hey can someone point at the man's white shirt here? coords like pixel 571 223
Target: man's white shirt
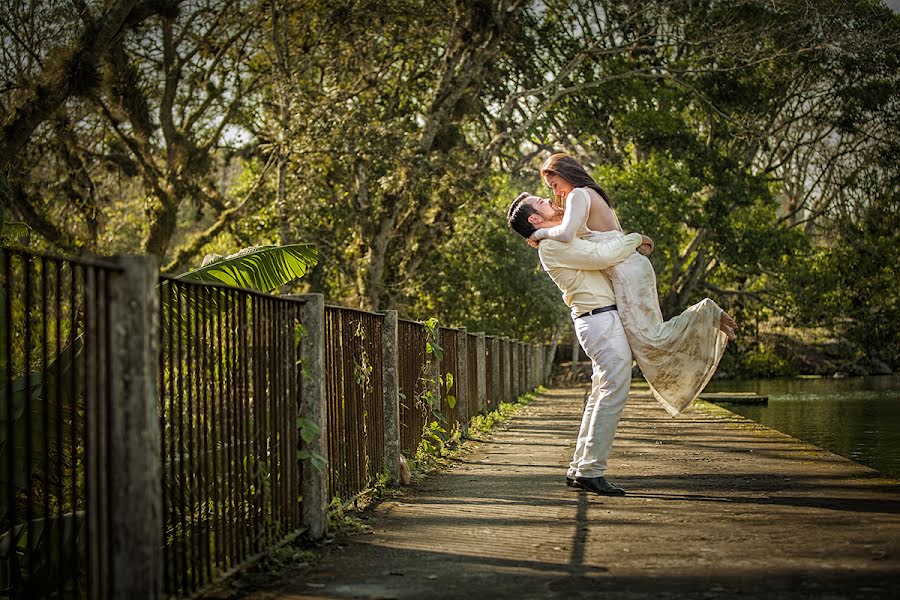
pixel 576 268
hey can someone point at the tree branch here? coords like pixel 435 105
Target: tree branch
pixel 225 220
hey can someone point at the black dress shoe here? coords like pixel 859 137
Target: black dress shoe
pixel 599 485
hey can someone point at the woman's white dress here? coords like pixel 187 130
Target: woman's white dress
pixel 677 357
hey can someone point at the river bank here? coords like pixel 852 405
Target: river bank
pixel 795 352
pixel 856 417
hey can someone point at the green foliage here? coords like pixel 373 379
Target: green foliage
pixel 309 432
pixel 55 544
pixel 764 361
pixel 342 523
pixel 433 338
pixel 850 284
pixel 261 268
pixel 39 391
pixel 484 277
pixel 15 233
pixel 741 136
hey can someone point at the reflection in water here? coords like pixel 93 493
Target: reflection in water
pixel 855 417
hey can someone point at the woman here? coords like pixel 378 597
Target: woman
pixel 677 357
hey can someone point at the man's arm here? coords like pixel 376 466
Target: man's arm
pixel 588 256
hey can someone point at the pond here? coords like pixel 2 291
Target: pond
pixel 857 417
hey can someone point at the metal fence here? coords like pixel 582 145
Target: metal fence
pixel 150 427
pixel 491 392
pixel 55 381
pixel 413 360
pixel 355 401
pixel 229 403
pixel 472 374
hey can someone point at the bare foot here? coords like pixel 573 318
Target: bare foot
pixel 728 325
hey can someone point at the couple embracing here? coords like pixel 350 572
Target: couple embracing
pixel 610 286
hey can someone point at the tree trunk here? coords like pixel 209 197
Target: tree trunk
pixel 373 281
pixel 163 222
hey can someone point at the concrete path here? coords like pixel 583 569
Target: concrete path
pixel 717 507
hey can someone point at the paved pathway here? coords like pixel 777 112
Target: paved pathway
pixel 718 507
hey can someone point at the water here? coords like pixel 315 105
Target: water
pixel 857 417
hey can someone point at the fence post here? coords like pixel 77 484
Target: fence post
pixel 511 368
pixel 528 372
pixel 507 375
pixel 135 483
pixel 520 366
pixel 314 485
pixel 528 359
pixel 391 382
pixel 462 380
pixel 481 372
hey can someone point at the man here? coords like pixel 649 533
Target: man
pixel 576 268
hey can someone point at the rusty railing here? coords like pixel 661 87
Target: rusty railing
pixel 354 396
pixel 413 360
pixel 55 346
pixel 229 402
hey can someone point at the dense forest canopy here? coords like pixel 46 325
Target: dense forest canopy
pixel 755 141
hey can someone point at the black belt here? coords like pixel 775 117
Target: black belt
pixel 597 311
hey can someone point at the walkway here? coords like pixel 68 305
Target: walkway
pixel 718 507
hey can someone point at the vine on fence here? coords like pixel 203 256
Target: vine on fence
pixel 435 436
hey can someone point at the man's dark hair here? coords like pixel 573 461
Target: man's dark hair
pixel 517 217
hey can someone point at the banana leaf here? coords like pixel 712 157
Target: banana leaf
pixel 260 268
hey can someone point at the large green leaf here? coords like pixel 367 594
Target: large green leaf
pixel 260 268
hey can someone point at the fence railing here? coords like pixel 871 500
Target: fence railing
pixel 229 389
pixel 72 470
pixel 413 362
pixel 355 398
pixel 157 434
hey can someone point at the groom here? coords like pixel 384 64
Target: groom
pixel 576 268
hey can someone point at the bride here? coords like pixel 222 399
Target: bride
pixel 677 357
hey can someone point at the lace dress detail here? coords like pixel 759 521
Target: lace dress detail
pixel 677 357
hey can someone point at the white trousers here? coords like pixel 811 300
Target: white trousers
pixel 604 341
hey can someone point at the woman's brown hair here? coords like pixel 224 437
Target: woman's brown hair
pixel 566 167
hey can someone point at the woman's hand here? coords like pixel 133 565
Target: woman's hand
pixel 646 246
pixel 533 242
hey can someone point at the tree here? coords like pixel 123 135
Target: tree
pixel 149 107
